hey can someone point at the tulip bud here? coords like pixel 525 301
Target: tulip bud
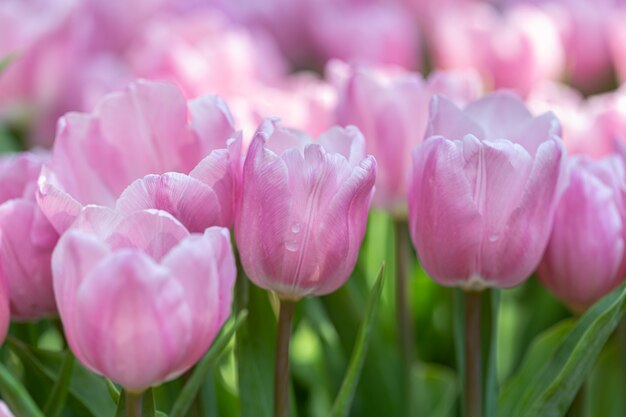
pixel 26 240
pixel 303 209
pixel 585 258
pixel 141 298
pixel 483 191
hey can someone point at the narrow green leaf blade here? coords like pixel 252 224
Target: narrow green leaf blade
pixel 86 389
pixel 16 396
pixel 148 407
pixel 193 385
pixel 343 401
pixel 58 394
pixel 559 376
pixel 436 390
pixel 254 349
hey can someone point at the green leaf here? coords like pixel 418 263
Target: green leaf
pixel 194 383
pixel 16 396
pixel 605 387
pixel 254 348
pixel 87 391
pixel 436 390
pixel 558 377
pixel 344 398
pixel 148 407
pixel 58 394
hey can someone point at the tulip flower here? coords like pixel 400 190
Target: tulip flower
pixel 586 254
pixel 133 133
pixel 301 219
pixel 390 107
pixel 141 298
pixel 303 209
pixel 484 190
pixel 26 238
pixel 4 410
pixel 515 48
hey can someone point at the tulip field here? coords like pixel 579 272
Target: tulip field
pixel 312 208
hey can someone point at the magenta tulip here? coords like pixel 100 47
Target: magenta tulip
pixel 142 130
pixel 586 254
pixel 390 107
pixel 484 190
pixel 141 298
pixel 303 209
pixel 26 238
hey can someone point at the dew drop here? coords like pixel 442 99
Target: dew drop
pixel 295 228
pixel 493 238
pixel 291 245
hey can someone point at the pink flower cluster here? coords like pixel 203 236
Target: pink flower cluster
pixel 122 226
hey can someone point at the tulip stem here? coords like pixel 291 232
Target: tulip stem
pixel 403 314
pixel 134 404
pixel 473 378
pixel 281 371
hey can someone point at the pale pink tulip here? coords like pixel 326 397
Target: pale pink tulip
pixel 483 191
pixel 390 106
pixel 514 49
pixel 585 258
pixel 204 53
pixel 146 129
pixel 141 298
pixel 365 32
pixel 26 238
pixel 303 209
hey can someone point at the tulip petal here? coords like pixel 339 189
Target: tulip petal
pixel 193 203
pixel 211 121
pixel 498 113
pixel 153 231
pixel 132 320
pixel 204 266
pixel 74 257
pixel 449 121
pixel 57 205
pixel 25 264
pixel 348 142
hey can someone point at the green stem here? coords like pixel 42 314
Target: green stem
pixel 281 370
pixel 473 362
pixel 134 404
pixel 403 314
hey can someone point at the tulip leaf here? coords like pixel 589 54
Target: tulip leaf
pixel 87 392
pixel 254 350
pixel 194 383
pixel 605 388
pixel 58 394
pixel 556 378
pixel 341 406
pixel 16 396
pixel 436 390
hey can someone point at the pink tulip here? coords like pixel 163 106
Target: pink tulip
pixel 390 107
pixel 303 209
pixel 26 238
pixel 204 53
pixel 585 258
pixel 142 130
pixel 617 43
pixel 514 49
pixel 367 33
pixel 141 298
pixel 4 410
pixel 484 190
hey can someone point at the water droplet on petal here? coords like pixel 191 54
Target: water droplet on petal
pixel 493 238
pixel 291 245
pixel 295 228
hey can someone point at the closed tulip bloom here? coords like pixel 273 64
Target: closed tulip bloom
pixel 141 298
pixel 146 129
pixel 585 258
pixel 26 238
pixel 483 191
pixel 303 209
pixel 390 106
